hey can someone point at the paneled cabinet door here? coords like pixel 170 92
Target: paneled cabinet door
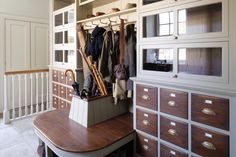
pixel 17 45
pixel 39 46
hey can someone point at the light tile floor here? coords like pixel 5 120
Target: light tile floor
pixel 18 139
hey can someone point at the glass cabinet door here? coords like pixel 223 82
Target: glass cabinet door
pixel 69 36
pixel 200 61
pixel 69 17
pixel 201 19
pixel 58 56
pixel 58 38
pixel 69 57
pixel 160 59
pixel 58 20
pixel 158 25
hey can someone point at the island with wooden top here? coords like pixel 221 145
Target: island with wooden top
pixel 67 138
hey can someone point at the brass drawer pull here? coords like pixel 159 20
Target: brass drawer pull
pixel 172 103
pixel 208 111
pixel 62 92
pixel 172 132
pixel 70 95
pixel 146 97
pixel 146 122
pixel 208 145
pixel 145 147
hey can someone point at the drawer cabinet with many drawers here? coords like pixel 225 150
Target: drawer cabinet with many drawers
pixel 183 123
pixel 62 91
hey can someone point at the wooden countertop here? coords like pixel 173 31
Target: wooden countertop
pixel 70 136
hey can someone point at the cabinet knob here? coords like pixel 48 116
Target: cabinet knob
pixel 146 122
pixel 172 103
pixel 175 37
pixel 209 112
pixel 146 97
pixel 145 147
pixel 208 145
pixel 172 132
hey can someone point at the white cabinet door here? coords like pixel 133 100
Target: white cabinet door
pixel 39 46
pixel 17 45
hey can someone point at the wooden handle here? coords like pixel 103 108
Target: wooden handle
pixel 209 112
pixel 208 145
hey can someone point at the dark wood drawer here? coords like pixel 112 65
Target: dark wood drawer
pixel 173 131
pixel 146 147
pixel 174 102
pixel 62 77
pixel 171 152
pixel 55 89
pixel 70 93
pixel 55 75
pixel 69 79
pixel 146 122
pixel 55 101
pixel 209 143
pixel 213 111
pixel 146 96
pixel 62 92
pixel 62 104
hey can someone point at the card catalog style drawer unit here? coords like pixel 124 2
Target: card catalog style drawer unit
pixel 55 102
pixel 210 110
pixel 174 132
pixel 146 147
pixel 209 143
pixel 169 152
pixel 146 122
pixel 62 78
pixel 55 75
pixel 146 96
pixel 62 104
pixel 174 102
pixel 62 92
pixel 55 89
pixel 69 79
pixel 70 93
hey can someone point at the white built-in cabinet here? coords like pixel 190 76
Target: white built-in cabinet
pixel 26 45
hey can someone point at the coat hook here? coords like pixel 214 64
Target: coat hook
pixel 112 21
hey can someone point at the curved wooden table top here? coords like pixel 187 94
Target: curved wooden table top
pixel 70 136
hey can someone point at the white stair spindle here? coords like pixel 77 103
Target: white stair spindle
pixel 47 92
pixel 13 97
pixel 42 99
pixel 6 117
pixel 37 93
pixel 19 94
pixel 31 93
pixel 26 91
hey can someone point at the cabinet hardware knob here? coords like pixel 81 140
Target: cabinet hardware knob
pixel 146 122
pixel 146 97
pixel 172 103
pixel 208 145
pixel 145 147
pixel 62 92
pixel 175 37
pixel 174 76
pixel 172 132
pixel 208 111
pixel 70 95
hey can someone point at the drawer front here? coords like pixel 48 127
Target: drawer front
pixel 146 122
pixel 70 93
pixel 62 77
pixel 174 132
pixel 55 89
pixel 62 92
pixel 171 152
pixel 62 104
pixel 55 75
pixel 174 102
pixel 55 102
pixel 146 147
pixel 69 79
pixel 210 110
pixel 209 144
pixel 146 96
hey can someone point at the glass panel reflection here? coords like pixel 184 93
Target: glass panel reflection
pixel 58 20
pixel 158 25
pixel 69 16
pixel 58 56
pixel 69 36
pixel 69 56
pixel 158 59
pixel 203 19
pixel 200 61
pixel 59 38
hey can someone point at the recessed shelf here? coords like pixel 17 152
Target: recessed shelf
pixel 85 2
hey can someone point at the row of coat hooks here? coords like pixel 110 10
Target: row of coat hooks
pixel 110 19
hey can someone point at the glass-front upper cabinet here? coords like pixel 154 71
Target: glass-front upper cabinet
pixel 64 37
pixel 64 17
pixel 64 57
pixel 202 19
pixel 198 61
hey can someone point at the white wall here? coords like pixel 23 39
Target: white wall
pixel 35 9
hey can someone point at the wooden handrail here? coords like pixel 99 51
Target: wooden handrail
pixel 25 71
